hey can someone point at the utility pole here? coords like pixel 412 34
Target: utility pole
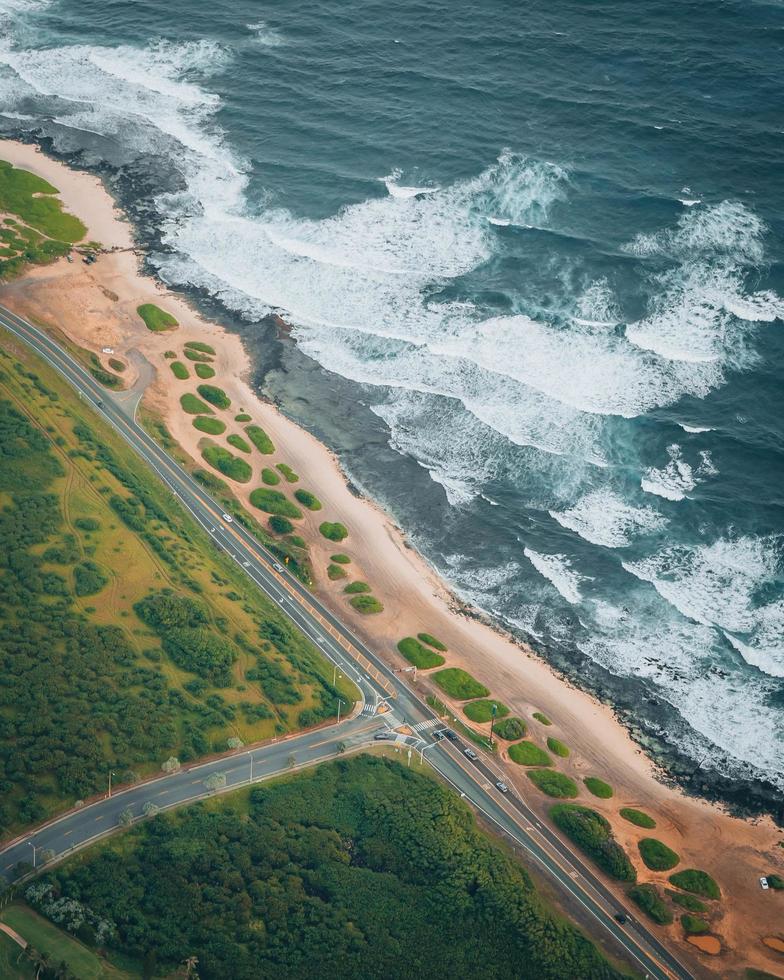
pixel 340 701
pixel 111 773
pixel 34 849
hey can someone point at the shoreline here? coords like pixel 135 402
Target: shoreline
pixel 79 299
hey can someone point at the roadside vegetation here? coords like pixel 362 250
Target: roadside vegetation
pixel 155 318
pixel 459 684
pixel 274 502
pixel 510 729
pixel 482 711
pixel 649 899
pixel 324 860
pixel 416 654
pixel 528 754
pixel 92 684
pixel 697 882
pixel 656 855
pixel 553 783
pixel 225 462
pixel 593 835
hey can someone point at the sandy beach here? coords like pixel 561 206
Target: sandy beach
pixel 96 307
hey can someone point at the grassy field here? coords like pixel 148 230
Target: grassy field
pixel 274 502
pixel 47 938
pixel 11 966
pixel 155 318
pixel 260 440
pixel 528 754
pixel 459 684
pixel 417 654
pixel 482 711
pixel 90 686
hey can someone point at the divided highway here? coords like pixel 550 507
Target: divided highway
pixel 475 781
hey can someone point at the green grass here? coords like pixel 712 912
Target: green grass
pixel 155 318
pixel 335 572
pixel 237 442
pixel 638 818
pixel 227 463
pixel 697 882
pixel 307 499
pixel 510 729
pixel 204 371
pixel 194 406
pixel 32 199
pixel 542 719
pixel 459 684
pixel 592 833
pixel 280 525
pixel 598 787
pixel 418 655
pixel 528 754
pixel 656 855
pixel 333 530
pixel 11 966
pixel 367 604
pixel 242 417
pixel 288 473
pixel 116 365
pixel 196 357
pixel 47 938
pixel 431 641
pixel 209 424
pixel 558 748
pixel 553 783
pixel 260 440
pixel 274 502
pixel 215 396
pixel 482 711
pixel 341 559
pixel 648 898
pixel 776 882
pixel 686 901
pixel 355 588
pixel 180 371
pixel 197 345
pixel 694 926
pixel 270 477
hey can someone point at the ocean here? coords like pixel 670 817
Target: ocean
pixel 531 254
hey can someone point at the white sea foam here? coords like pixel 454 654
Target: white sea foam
pixel 674 480
pixel 558 570
pixel 695 429
pixel 501 222
pixel 265 36
pixel 604 518
pixel 396 189
pixel 689 202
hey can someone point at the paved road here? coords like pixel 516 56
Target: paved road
pixel 375 679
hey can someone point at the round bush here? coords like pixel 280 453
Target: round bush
pixel 270 477
pixel 335 572
pixel 431 641
pixel 367 604
pixel 638 818
pixel 333 531
pixel 598 787
pixel 459 684
pixel 528 754
pixel 510 729
pixel 341 559
pixel 558 748
pixel 307 499
pixel 274 502
pixel 280 525
pixel 179 370
pixel 542 719
pixel 656 855
pixel 209 424
pixel 238 443
pixel 697 882
pixel 553 783
pixel 204 371
pixel 419 655
pixel 355 588
pixel 482 711
pixel 215 396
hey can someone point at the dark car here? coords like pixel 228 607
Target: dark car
pixel 448 733
pixel 384 737
pixel 621 917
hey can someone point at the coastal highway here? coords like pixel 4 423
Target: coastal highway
pixel 475 781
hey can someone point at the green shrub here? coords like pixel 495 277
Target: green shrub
pixel 280 525
pixel 88 578
pixel 169 355
pixel 288 473
pixel 237 442
pixel 542 719
pixel 198 345
pixel 776 881
pixel 300 542
pixel 687 901
pixel 333 531
pixel 179 370
pixel 482 711
pixel 335 572
pixel 431 641
pixel 459 684
pixel 270 477
pixel 367 604
pixel 651 902
pixel 341 559
pixel 355 588
pixel 553 783
pixel 87 524
pixel 194 355
pixel 215 396
pixel 227 463
pixel 204 371
pixel 274 502
pixel 242 417
pixel 696 882
pixel 510 729
pixel 694 926
pixel 260 439
pixel 638 818
pixel 194 406
pixel 307 499
pixel 528 754
pixel 558 748
pixel 209 424
pixel 116 365
pixel 598 787
pixel 418 655
pixel 592 834
pixel 656 855
pixel 155 318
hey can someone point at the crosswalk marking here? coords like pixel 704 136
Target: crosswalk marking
pixel 368 709
pixel 424 725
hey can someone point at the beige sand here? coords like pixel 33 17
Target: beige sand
pixel 96 307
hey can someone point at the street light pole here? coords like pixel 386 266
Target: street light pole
pixel 34 849
pixel 250 756
pixel 340 701
pixel 493 712
pixel 111 773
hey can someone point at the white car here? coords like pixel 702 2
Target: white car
pixel 501 785
pixel 278 567
pixel 107 350
pixel 228 518
pixel 764 884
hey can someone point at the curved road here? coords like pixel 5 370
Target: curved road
pixel 474 780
